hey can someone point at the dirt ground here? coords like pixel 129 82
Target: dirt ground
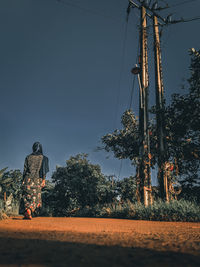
pixel 98 242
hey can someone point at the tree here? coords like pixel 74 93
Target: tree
pixel 80 184
pixel 10 183
pixel 183 131
pixel 10 188
pixel 127 189
pixel 48 199
pixel 124 143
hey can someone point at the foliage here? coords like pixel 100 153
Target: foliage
pixel 190 193
pixel 10 186
pixel 182 210
pixel 124 143
pixel 10 182
pixel 183 130
pixel 2 171
pixel 48 202
pixel 127 189
pixel 80 184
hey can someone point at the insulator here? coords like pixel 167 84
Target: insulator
pixel 135 70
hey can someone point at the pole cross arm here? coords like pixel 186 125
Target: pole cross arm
pixel 149 9
pixel 163 21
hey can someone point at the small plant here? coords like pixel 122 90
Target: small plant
pixel 175 210
pixel 3 215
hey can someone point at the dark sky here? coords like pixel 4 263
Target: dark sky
pixel 65 80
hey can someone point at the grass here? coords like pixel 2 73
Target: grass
pixel 176 210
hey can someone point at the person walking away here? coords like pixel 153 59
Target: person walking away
pixel 36 166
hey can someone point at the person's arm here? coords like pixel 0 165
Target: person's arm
pixel 44 169
pixel 43 181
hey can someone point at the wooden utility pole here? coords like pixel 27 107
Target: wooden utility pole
pixel 144 174
pixel 143 168
pixel 162 177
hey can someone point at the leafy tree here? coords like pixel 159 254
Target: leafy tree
pixel 10 182
pixel 124 143
pixel 80 184
pixel 2 171
pixel 48 199
pixel 10 187
pixel 127 189
pixel 183 131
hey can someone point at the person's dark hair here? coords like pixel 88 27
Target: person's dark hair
pixel 37 148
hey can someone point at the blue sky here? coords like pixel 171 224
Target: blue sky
pixel 65 80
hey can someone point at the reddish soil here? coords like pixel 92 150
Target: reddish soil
pixel 98 242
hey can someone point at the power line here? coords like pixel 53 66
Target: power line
pixel 191 19
pixel 121 71
pixel 132 92
pixel 120 78
pixel 88 10
pixel 120 169
pixel 182 3
pixel 166 39
pixel 133 84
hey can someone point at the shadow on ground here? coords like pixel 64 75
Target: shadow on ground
pixel 19 252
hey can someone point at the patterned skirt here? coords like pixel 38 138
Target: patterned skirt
pixel 31 194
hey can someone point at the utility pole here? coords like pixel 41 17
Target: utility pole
pixel 144 174
pixel 143 169
pixel 162 177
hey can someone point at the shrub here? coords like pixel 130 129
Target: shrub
pixel 79 185
pixel 182 210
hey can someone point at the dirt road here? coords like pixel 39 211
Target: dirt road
pixel 98 242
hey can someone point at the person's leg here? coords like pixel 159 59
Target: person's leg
pixel 27 214
pixel 28 202
pixel 37 199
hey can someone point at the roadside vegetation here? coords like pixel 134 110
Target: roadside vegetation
pixel 75 194
pixel 176 210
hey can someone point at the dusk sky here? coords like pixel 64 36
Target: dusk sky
pixel 65 80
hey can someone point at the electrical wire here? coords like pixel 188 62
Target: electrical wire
pixel 183 3
pixel 119 84
pixel 91 11
pixel 133 83
pixel 165 40
pixel 132 92
pixel 121 71
pixel 191 19
pixel 120 169
pixel 65 2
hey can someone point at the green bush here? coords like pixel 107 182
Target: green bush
pixel 79 185
pixel 181 210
